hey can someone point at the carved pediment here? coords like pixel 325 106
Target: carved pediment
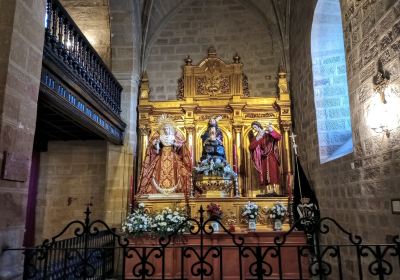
pixel 212 77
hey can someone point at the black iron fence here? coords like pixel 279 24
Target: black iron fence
pixel 66 46
pixel 98 252
pixel 90 254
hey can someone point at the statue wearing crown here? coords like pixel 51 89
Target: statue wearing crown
pixel 167 166
pixel 213 172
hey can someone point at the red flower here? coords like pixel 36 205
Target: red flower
pixel 214 210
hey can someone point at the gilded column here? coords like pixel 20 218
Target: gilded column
pixel 190 140
pixel 287 157
pixel 285 117
pixel 237 156
pixel 143 142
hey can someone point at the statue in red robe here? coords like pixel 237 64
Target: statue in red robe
pixel 265 155
pixel 167 167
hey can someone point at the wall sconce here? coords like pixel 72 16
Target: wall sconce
pixel 381 81
pixel 383 115
pixel 381 129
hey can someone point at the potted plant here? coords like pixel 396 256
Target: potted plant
pixel 250 212
pixel 139 222
pixel 169 221
pixel 277 214
pixel 214 211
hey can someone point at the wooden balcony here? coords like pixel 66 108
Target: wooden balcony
pixel 79 96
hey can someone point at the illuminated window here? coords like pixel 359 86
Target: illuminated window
pixel 330 82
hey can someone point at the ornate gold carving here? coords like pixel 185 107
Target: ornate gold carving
pixel 181 86
pixel 144 131
pixel 188 60
pixel 225 85
pixel 208 116
pixel 213 183
pixel 259 115
pixel 213 83
pixel 286 124
pixel 175 118
pixel 236 58
pixel 193 109
pixel 245 82
pixel 201 85
pixel 212 52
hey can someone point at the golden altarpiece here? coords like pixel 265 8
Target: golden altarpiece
pixel 215 88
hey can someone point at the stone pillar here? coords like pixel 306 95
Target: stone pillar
pixel 21 47
pixel 125 42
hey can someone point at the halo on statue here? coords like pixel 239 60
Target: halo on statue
pixel 164 120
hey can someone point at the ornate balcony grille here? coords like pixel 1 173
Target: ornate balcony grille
pixel 66 46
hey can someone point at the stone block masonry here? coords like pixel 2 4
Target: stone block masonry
pixel 359 199
pixel 230 27
pixel 72 175
pixel 21 46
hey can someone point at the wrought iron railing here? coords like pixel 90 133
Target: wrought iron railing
pixel 88 255
pixel 66 44
pixel 178 257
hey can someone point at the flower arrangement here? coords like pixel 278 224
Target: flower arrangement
pixel 163 223
pixel 139 222
pixel 169 221
pixel 250 210
pixel 277 211
pixel 214 211
pixel 214 166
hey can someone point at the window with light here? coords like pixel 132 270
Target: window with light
pixel 330 82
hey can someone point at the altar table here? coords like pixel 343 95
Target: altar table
pixel 228 265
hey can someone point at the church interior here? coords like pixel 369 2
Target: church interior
pixel 119 105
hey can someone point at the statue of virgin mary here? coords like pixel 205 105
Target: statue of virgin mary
pixel 167 167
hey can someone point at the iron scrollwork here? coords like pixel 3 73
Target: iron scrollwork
pixel 85 257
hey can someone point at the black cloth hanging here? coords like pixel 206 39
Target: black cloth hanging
pixel 305 203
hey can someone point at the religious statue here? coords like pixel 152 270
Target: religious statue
pixel 265 156
pixel 213 160
pixel 167 166
pixel 212 140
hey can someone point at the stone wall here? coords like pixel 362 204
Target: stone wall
pixel 229 26
pixel 21 45
pixel 358 198
pixel 71 175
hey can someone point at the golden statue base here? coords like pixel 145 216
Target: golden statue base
pixel 231 207
pixel 161 196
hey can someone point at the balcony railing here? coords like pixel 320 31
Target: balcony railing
pixel 65 43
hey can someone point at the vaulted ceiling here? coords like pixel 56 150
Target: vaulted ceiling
pixel 93 17
pixel 155 13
